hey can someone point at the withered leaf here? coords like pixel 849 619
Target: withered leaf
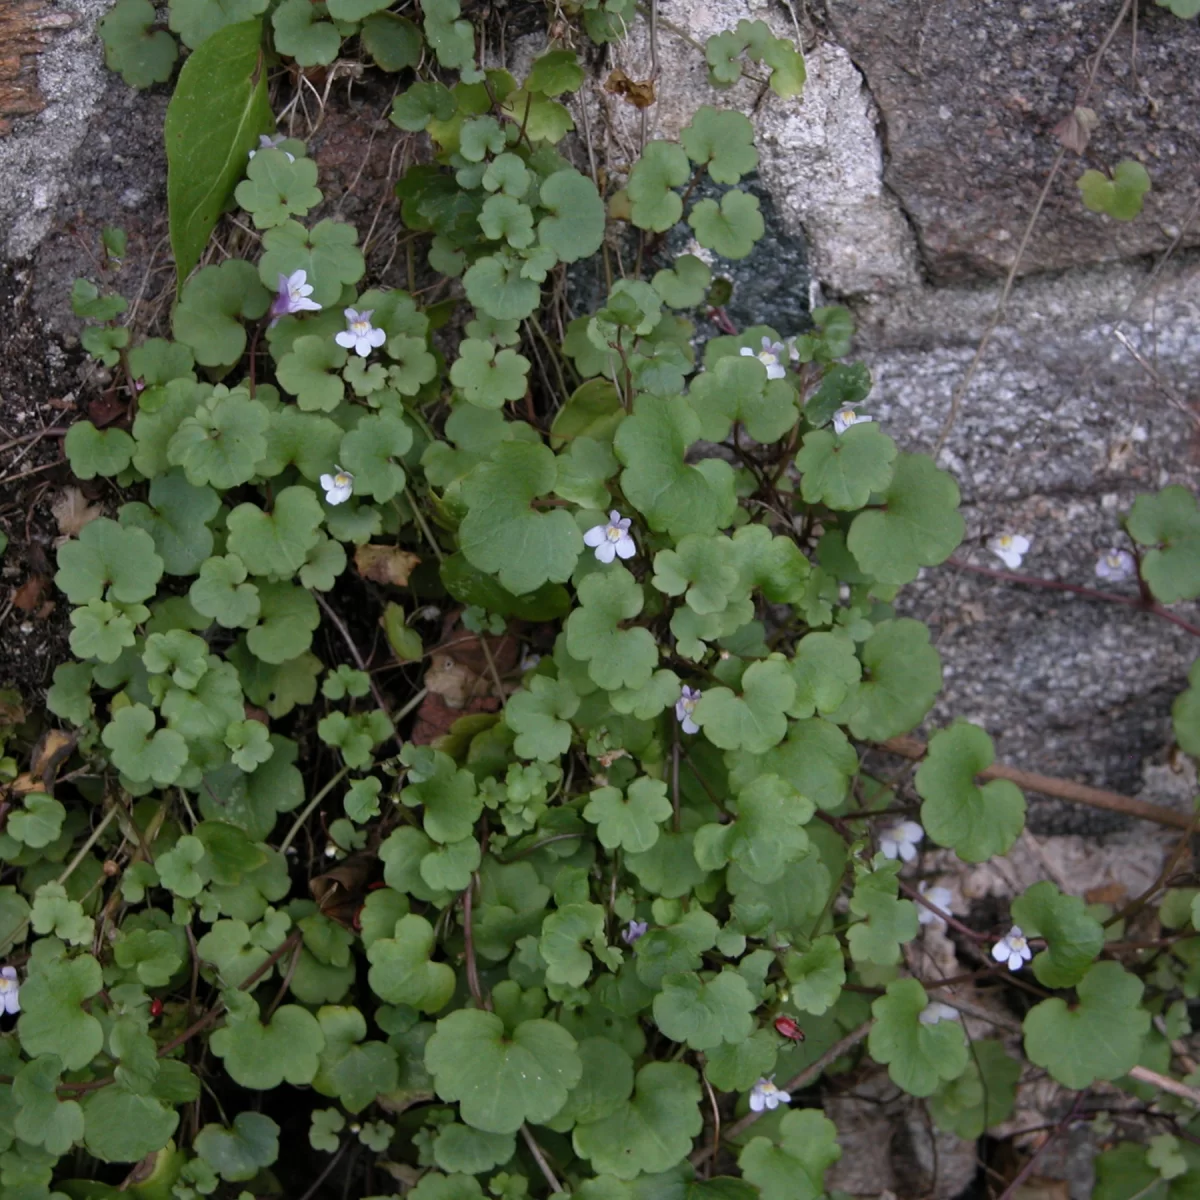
pixel 385 564
pixel 72 510
pixel 29 595
pixel 1074 131
pixel 52 750
pixel 435 718
pixel 640 95
pixel 105 409
pixel 340 892
pixel 454 681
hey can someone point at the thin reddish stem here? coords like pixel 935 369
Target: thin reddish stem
pixel 1136 602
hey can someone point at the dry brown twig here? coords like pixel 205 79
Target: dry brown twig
pixel 1141 603
pixel 539 1157
pixel 1165 1084
pixel 1173 397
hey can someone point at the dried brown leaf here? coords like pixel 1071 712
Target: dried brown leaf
pixel 640 95
pixel 29 595
pixel 105 409
pixel 1074 131
pixel 1107 893
pixel 340 892
pixel 72 510
pixel 435 718
pixel 385 564
pixel 459 679
pixel 454 681
pixel 52 750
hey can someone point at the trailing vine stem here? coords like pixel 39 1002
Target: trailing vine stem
pixel 1143 602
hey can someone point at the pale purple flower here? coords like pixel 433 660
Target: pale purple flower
pixel 685 706
pixel 360 335
pixel 1013 949
pixel 771 356
pixel 938 896
pixel 338 487
pixel 272 143
pixel 611 540
pixel 765 1095
pixel 900 840
pixel 293 296
pixel 936 1011
pixel 1116 566
pixel 845 417
pixel 10 988
pixel 1009 548
pixel 633 931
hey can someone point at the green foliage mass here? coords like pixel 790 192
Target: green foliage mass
pixel 382 785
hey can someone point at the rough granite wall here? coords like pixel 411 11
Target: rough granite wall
pixel 36 157
pixel 1062 425
pixel 910 167
pixel 903 178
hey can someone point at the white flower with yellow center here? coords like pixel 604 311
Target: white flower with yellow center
pixel 1116 566
pixel 765 1095
pixel 772 356
pixel 1013 949
pixel 611 540
pixel 338 487
pixel 1010 548
pixel 360 335
pixel 901 840
pixel 10 990
pixel 845 417
pixel 685 706
pixel 940 897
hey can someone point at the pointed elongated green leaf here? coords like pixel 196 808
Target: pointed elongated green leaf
pixel 214 119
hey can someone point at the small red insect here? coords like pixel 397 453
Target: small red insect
pixel 156 1007
pixel 788 1028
